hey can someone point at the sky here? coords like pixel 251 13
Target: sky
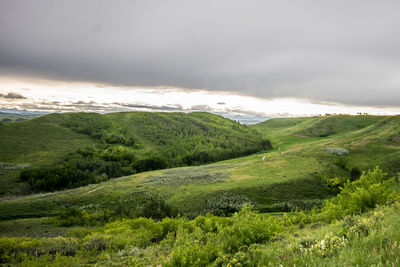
pixel 250 59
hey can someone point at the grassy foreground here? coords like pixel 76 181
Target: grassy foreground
pixel 360 226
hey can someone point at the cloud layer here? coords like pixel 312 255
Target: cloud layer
pixel 341 51
pixel 12 95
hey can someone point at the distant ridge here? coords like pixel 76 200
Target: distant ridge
pixel 24 112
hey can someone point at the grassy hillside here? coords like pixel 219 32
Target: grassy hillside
pixel 93 147
pixel 302 172
pixel 370 140
pixel 33 143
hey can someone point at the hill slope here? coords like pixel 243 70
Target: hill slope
pixel 370 140
pixel 118 144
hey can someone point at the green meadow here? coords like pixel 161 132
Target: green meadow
pixel 224 196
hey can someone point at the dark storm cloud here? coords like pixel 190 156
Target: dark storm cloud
pixel 339 50
pixel 13 95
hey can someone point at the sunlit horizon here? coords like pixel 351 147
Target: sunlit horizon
pixel 46 96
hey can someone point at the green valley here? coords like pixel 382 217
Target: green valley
pixel 223 195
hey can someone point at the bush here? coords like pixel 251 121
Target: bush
pixel 297 205
pixel 150 163
pixel 158 209
pixel 355 173
pixel 335 184
pixel 18 249
pixel 372 189
pixel 248 228
pixel 214 236
pixel 77 217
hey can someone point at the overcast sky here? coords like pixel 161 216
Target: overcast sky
pixel 342 51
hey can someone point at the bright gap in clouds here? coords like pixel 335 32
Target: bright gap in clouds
pixel 58 96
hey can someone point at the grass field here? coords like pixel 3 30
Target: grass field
pixel 292 174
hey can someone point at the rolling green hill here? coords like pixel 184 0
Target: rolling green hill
pixel 371 140
pixel 312 160
pixel 82 148
pixel 295 174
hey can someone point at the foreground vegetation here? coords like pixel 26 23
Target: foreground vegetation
pixel 364 215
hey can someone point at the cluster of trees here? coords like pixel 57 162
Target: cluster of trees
pixel 98 127
pixel 70 174
pixel 90 165
pixel 197 138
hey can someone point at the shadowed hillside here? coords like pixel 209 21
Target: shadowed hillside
pixel 70 150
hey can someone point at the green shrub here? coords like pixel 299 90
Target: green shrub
pixel 372 189
pixel 214 237
pixel 335 184
pixel 77 217
pixel 16 249
pixel 248 228
pixel 355 173
pixel 225 203
pixel 152 162
pixel 157 209
pixel 297 205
